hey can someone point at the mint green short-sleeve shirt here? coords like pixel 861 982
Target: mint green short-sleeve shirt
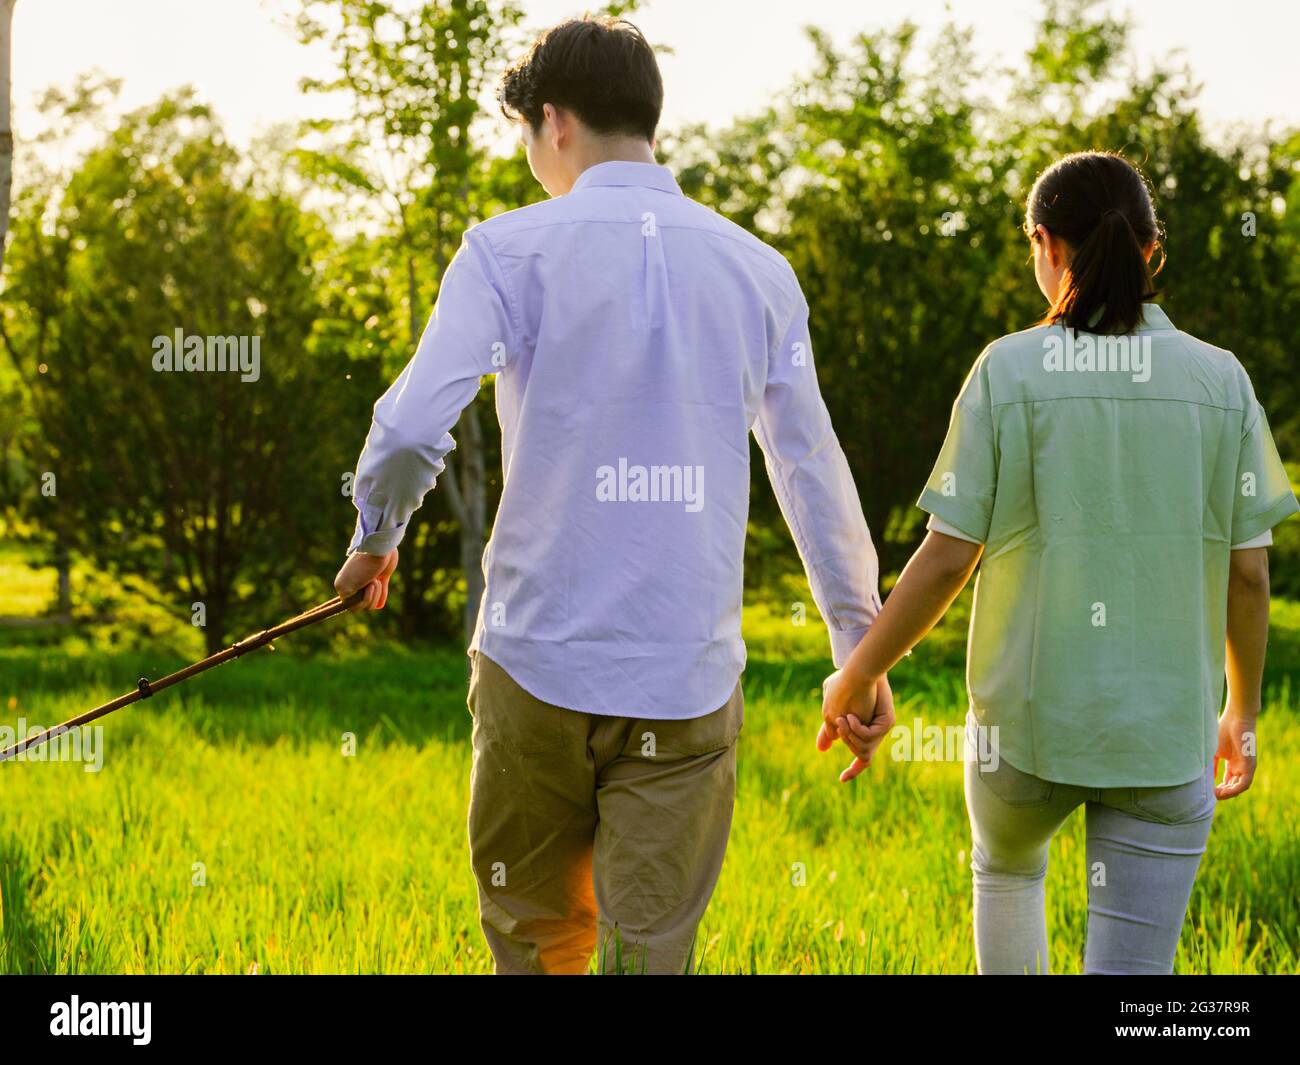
pixel 1108 478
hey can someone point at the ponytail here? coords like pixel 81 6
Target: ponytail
pixel 1099 205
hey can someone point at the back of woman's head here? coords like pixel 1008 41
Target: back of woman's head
pixel 1099 204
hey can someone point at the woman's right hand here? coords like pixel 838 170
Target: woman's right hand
pixel 1237 746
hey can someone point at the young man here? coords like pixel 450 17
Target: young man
pixel 636 338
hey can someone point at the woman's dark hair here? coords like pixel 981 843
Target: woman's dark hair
pixel 1100 205
pixel 601 69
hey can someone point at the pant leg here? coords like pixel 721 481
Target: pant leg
pixel 532 824
pixel 1144 849
pixel 1013 817
pixel 665 792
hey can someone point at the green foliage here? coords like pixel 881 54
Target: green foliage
pixel 893 176
pixel 199 481
pixel 1284 555
pixel 408 158
pixel 896 187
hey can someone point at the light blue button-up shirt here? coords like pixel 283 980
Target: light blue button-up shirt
pixel 636 337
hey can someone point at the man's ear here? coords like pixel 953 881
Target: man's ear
pixel 557 122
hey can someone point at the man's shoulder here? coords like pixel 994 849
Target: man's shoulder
pixel 745 243
pixel 502 226
pixel 512 228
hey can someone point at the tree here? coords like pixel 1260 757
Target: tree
pixel 406 155
pixel 6 123
pixel 874 183
pixel 212 483
pixel 897 190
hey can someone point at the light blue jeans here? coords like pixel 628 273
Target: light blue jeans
pixel 1144 847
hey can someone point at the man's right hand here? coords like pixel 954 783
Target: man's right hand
pixel 859 713
pixel 370 572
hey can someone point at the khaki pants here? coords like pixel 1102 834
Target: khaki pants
pixel 590 833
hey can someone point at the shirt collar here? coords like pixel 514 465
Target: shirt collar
pixel 1154 319
pixel 620 172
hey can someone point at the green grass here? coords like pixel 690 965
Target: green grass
pixel 28 590
pixel 317 862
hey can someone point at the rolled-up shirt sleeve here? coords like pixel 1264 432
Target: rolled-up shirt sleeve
pixel 940 526
pixel 816 492
pixel 1263 494
pixel 470 334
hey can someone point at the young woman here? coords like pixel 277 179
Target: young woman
pixel 1120 481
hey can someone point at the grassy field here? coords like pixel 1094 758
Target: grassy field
pixel 316 862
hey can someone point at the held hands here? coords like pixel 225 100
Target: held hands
pixel 858 711
pixel 371 572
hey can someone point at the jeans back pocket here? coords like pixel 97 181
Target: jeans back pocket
pixel 1015 787
pixel 1176 804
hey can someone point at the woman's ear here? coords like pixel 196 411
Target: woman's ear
pixel 1149 250
pixel 1053 247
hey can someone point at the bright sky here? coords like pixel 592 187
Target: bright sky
pixel 729 55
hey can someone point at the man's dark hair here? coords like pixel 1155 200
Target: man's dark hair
pixel 601 69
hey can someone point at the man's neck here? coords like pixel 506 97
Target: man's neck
pixel 612 150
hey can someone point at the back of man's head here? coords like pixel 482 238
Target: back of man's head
pixel 601 69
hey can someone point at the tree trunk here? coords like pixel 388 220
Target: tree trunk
pixel 63 565
pixel 473 525
pixel 412 310
pixel 473 528
pixel 214 628
pixel 466 483
pixel 6 125
pixel 467 497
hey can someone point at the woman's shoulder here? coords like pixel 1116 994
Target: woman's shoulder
pixel 1035 338
pixel 1018 361
pixel 1031 338
pixel 1015 349
pixel 1218 364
